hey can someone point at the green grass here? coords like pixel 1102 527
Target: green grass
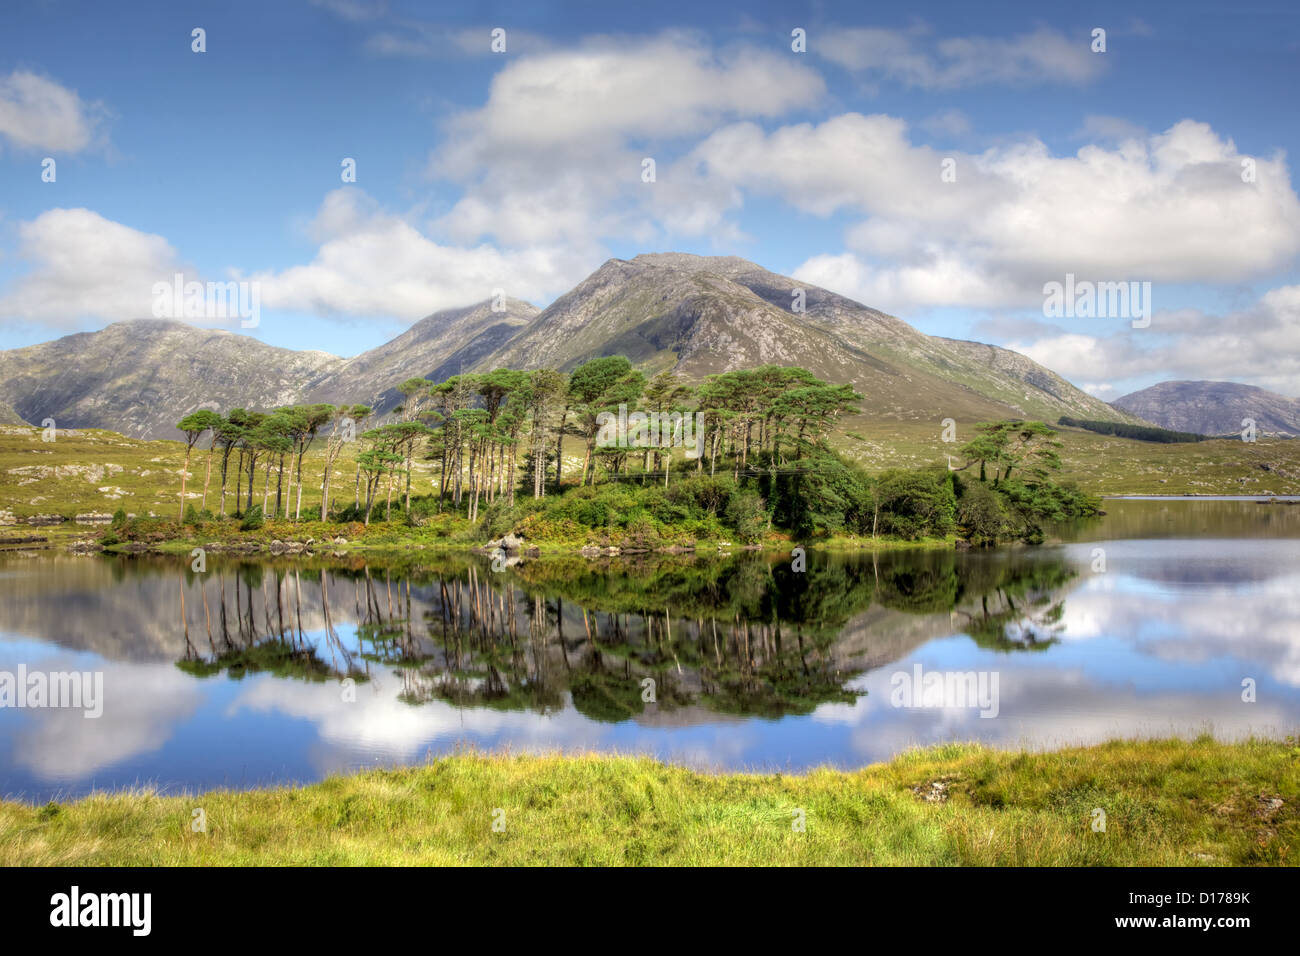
pixel 1102 464
pixel 1167 802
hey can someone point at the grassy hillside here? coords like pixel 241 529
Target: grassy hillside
pixel 99 471
pixel 1166 803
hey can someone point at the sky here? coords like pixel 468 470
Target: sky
pixel 943 162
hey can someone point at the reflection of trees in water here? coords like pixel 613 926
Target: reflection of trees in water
pixel 745 636
pixel 241 641
pixel 1022 611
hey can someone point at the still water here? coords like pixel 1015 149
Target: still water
pixel 1157 619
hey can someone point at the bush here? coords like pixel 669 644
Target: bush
pixel 981 517
pixel 747 514
pixel 916 504
pixel 253 519
pixel 701 495
pixel 191 516
pixel 349 514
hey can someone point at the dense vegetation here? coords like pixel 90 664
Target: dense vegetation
pixel 743 455
pixel 1136 432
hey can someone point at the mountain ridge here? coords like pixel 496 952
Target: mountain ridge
pixel 698 315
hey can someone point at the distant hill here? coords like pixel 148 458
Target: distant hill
pixel 1213 408
pixel 138 378
pixel 696 314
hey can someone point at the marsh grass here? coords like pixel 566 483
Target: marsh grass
pixel 1167 803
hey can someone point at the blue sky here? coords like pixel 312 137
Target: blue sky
pixel 521 170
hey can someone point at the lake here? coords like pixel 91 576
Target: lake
pixel 1165 617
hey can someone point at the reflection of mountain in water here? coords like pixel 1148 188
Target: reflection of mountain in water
pixel 663 640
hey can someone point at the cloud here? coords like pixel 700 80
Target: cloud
pixel 38 113
pixel 948 123
pixel 372 262
pixel 1016 216
pixel 916 58
pixel 354 10
pixel 557 149
pixel 84 265
pixel 1258 345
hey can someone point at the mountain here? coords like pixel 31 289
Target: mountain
pixel 436 347
pixel 697 314
pixel 139 378
pixel 707 314
pixel 1213 408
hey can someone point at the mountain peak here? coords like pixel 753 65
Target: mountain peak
pixel 690 262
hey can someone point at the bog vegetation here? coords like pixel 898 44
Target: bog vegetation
pixel 758 462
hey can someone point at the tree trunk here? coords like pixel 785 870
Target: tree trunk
pixel 297 513
pixel 185 474
pixel 207 477
pixel 559 450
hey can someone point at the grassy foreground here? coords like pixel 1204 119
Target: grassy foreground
pixel 1166 802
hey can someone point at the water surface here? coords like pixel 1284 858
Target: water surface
pixel 1145 622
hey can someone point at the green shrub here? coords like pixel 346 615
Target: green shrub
pixel 747 514
pixel 981 517
pixel 916 504
pixel 252 520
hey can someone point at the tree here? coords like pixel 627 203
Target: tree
pixel 451 398
pixel 377 462
pixel 312 418
pixel 664 394
pixel 343 430
pixel 403 437
pixel 193 426
pixel 250 449
pixel 274 437
pixel 231 433
pixel 1007 445
pixel 542 397
pixel 601 385
pixel 415 407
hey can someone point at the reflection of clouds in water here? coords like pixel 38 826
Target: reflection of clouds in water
pixel 379 723
pixel 379 726
pixel 143 704
pixel 1042 707
pixel 1260 627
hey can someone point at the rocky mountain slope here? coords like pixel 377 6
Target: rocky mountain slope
pixel 436 347
pixel 138 378
pixel 699 315
pixel 8 416
pixel 705 314
pixel 1213 408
